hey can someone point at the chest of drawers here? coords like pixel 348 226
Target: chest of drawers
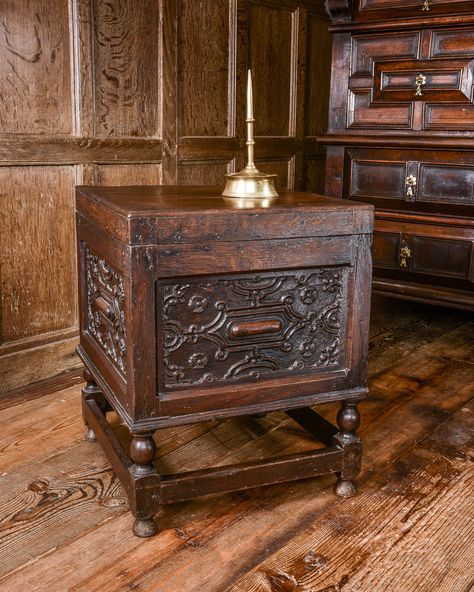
pixel 192 310
pixel 401 137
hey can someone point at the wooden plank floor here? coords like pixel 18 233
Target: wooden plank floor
pixel 64 524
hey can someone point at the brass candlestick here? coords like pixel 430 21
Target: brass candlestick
pixel 250 188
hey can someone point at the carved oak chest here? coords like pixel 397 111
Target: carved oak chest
pixel 192 310
pixel 401 137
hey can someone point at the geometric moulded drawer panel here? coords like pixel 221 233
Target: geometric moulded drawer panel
pixel 378 179
pixel 450 258
pixel 438 177
pixel 423 254
pixel 386 248
pixel 446 183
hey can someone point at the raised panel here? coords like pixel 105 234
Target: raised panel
pixel 412 177
pixel 273 40
pixel 385 249
pixel 452 43
pixel 203 173
pixel 452 117
pixel 128 174
pixel 315 175
pixel 283 169
pixel 205 46
pixel 35 71
pixel 378 179
pixel 374 4
pixel 442 183
pixel 37 250
pixel 444 80
pixel 450 258
pixel 397 9
pixel 126 67
pixel 368 48
pixel 364 114
pixel 371 4
pixel 318 76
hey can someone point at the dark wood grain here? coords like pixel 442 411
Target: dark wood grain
pixel 126 68
pixel 37 289
pixel 133 93
pixel 194 330
pixel 417 356
pixel 247 475
pixel 205 48
pixel 35 69
pixel 407 151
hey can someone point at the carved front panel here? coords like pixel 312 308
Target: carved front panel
pixel 105 309
pixel 251 326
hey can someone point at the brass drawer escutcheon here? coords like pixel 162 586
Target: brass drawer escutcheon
pixel 426 5
pixel 405 254
pixel 410 183
pixel 420 81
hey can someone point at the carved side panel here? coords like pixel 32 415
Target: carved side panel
pixel 106 310
pixel 219 329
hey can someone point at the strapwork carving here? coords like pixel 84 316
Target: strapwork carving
pixel 105 309
pixel 253 326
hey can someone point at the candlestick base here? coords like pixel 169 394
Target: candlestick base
pixel 250 188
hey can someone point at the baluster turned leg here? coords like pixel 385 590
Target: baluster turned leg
pixel 91 388
pixel 348 420
pixel 142 452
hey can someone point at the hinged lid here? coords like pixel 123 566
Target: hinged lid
pixel 172 214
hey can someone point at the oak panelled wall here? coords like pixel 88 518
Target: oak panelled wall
pixel 135 92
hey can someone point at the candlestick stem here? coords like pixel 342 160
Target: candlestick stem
pixel 250 141
pixel 250 188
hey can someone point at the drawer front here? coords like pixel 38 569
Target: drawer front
pixel 429 86
pixel 390 9
pixel 408 178
pixel 218 330
pixel 423 254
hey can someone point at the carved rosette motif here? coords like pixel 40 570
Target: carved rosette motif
pixel 105 309
pixel 298 320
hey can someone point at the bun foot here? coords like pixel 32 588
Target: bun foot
pixel 345 488
pixel 144 528
pixel 89 435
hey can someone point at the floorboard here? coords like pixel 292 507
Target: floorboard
pixel 64 521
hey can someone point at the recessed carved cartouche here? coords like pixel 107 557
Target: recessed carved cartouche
pixel 105 309
pixel 253 326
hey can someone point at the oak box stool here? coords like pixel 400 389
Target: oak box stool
pixel 193 310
